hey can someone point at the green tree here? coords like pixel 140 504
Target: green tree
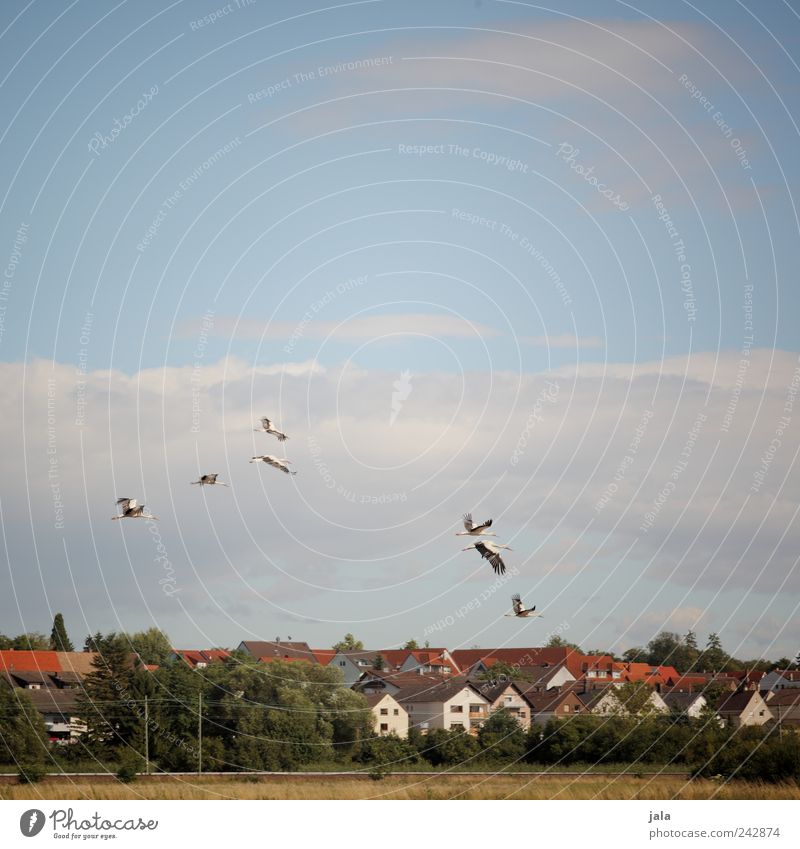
pixel 634 698
pixel 349 643
pixel 635 655
pixel 93 642
pixel 714 658
pixel 378 662
pixel 111 701
pixel 23 737
pixel 501 671
pixel 411 645
pixel 59 641
pixel 501 738
pixel 557 642
pixel 448 748
pixel 152 646
pixel 32 641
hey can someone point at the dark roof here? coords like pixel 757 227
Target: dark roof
pixel 375 698
pixel 785 698
pixel 492 690
pixel 544 702
pixel 30 676
pixel 433 692
pixel 736 702
pixel 680 699
pixel 54 701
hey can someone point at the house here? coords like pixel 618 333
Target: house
pixel 603 701
pixel 448 704
pixel 688 704
pixel 429 662
pixel 552 704
pixel 353 663
pixel 545 677
pixel 279 650
pixel 466 659
pixel 59 712
pixel 390 716
pixel 200 658
pixel 784 705
pixel 744 708
pixel 389 681
pixel 780 679
pixel 507 696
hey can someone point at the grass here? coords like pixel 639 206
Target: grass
pixel 412 787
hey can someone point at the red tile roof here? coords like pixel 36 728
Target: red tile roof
pixel 323 656
pixel 42 661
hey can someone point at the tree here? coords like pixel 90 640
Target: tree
pixel 152 646
pixel 349 643
pixel 557 642
pixel 111 699
pixel 23 737
pixel 501 738
pixel 378 662
pixel 714 657
pixel 32 641
pixel 93 642
pixel 634 698
pixel 59 641
pixel 635 655
pixel 501 671
pixel 411 645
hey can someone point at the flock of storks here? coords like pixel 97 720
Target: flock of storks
pixel 130 508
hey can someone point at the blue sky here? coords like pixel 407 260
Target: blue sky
pixel 215 212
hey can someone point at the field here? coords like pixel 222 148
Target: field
pixel 401 787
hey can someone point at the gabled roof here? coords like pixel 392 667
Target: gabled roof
pixel 493 690
pixel 441 691
pixel 54 700
pixel 31 677
pixel 737 702
pixel 465 659
pixel 784 698
pixel 196 656
pixel 40 661
pixel 549 700
pixel 681 699
pixel 324 656
pixel 374 699
pixel 77 661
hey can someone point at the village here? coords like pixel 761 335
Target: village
pixel 434 688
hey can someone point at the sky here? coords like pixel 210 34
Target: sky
pixel 536 264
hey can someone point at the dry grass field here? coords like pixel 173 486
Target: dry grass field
pixel 407 787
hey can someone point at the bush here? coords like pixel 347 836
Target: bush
pixel 448 748
pixel 30 773
pixel 501 738
pixel 129 767
pixel 389 751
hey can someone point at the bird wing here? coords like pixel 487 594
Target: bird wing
pixel 497 564
pixel 516 603
pixel 266 423
pixel 210 478
pixel 468 523
pixel 123 503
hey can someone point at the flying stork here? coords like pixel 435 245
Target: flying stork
pixel 275 462
pixel 129 508
pixel 473 530
pixel 208 480
pixel 268 427
pixel 519 610
pixel 490 551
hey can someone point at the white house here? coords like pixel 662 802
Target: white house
pixel 449 705
pixel 690 704
pixel 390 716
pixel 745 708
pixel 506 696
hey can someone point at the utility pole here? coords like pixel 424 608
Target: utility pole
pixel 200 733
pixel 146 737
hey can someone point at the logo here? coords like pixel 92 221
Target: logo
pixel 402 389
pixel 31 822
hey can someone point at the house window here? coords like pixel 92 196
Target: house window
pixel 509 699
pixel 397 711
pixel 342 663
pixel 476 708
pixel 384 711
pixel 566 708
pixel 456 708
pixel 456 725
pixel 384 726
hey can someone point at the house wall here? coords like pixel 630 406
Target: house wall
pixel 389 713
pixel 451 714
pixel 513 702
pixel 756 713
